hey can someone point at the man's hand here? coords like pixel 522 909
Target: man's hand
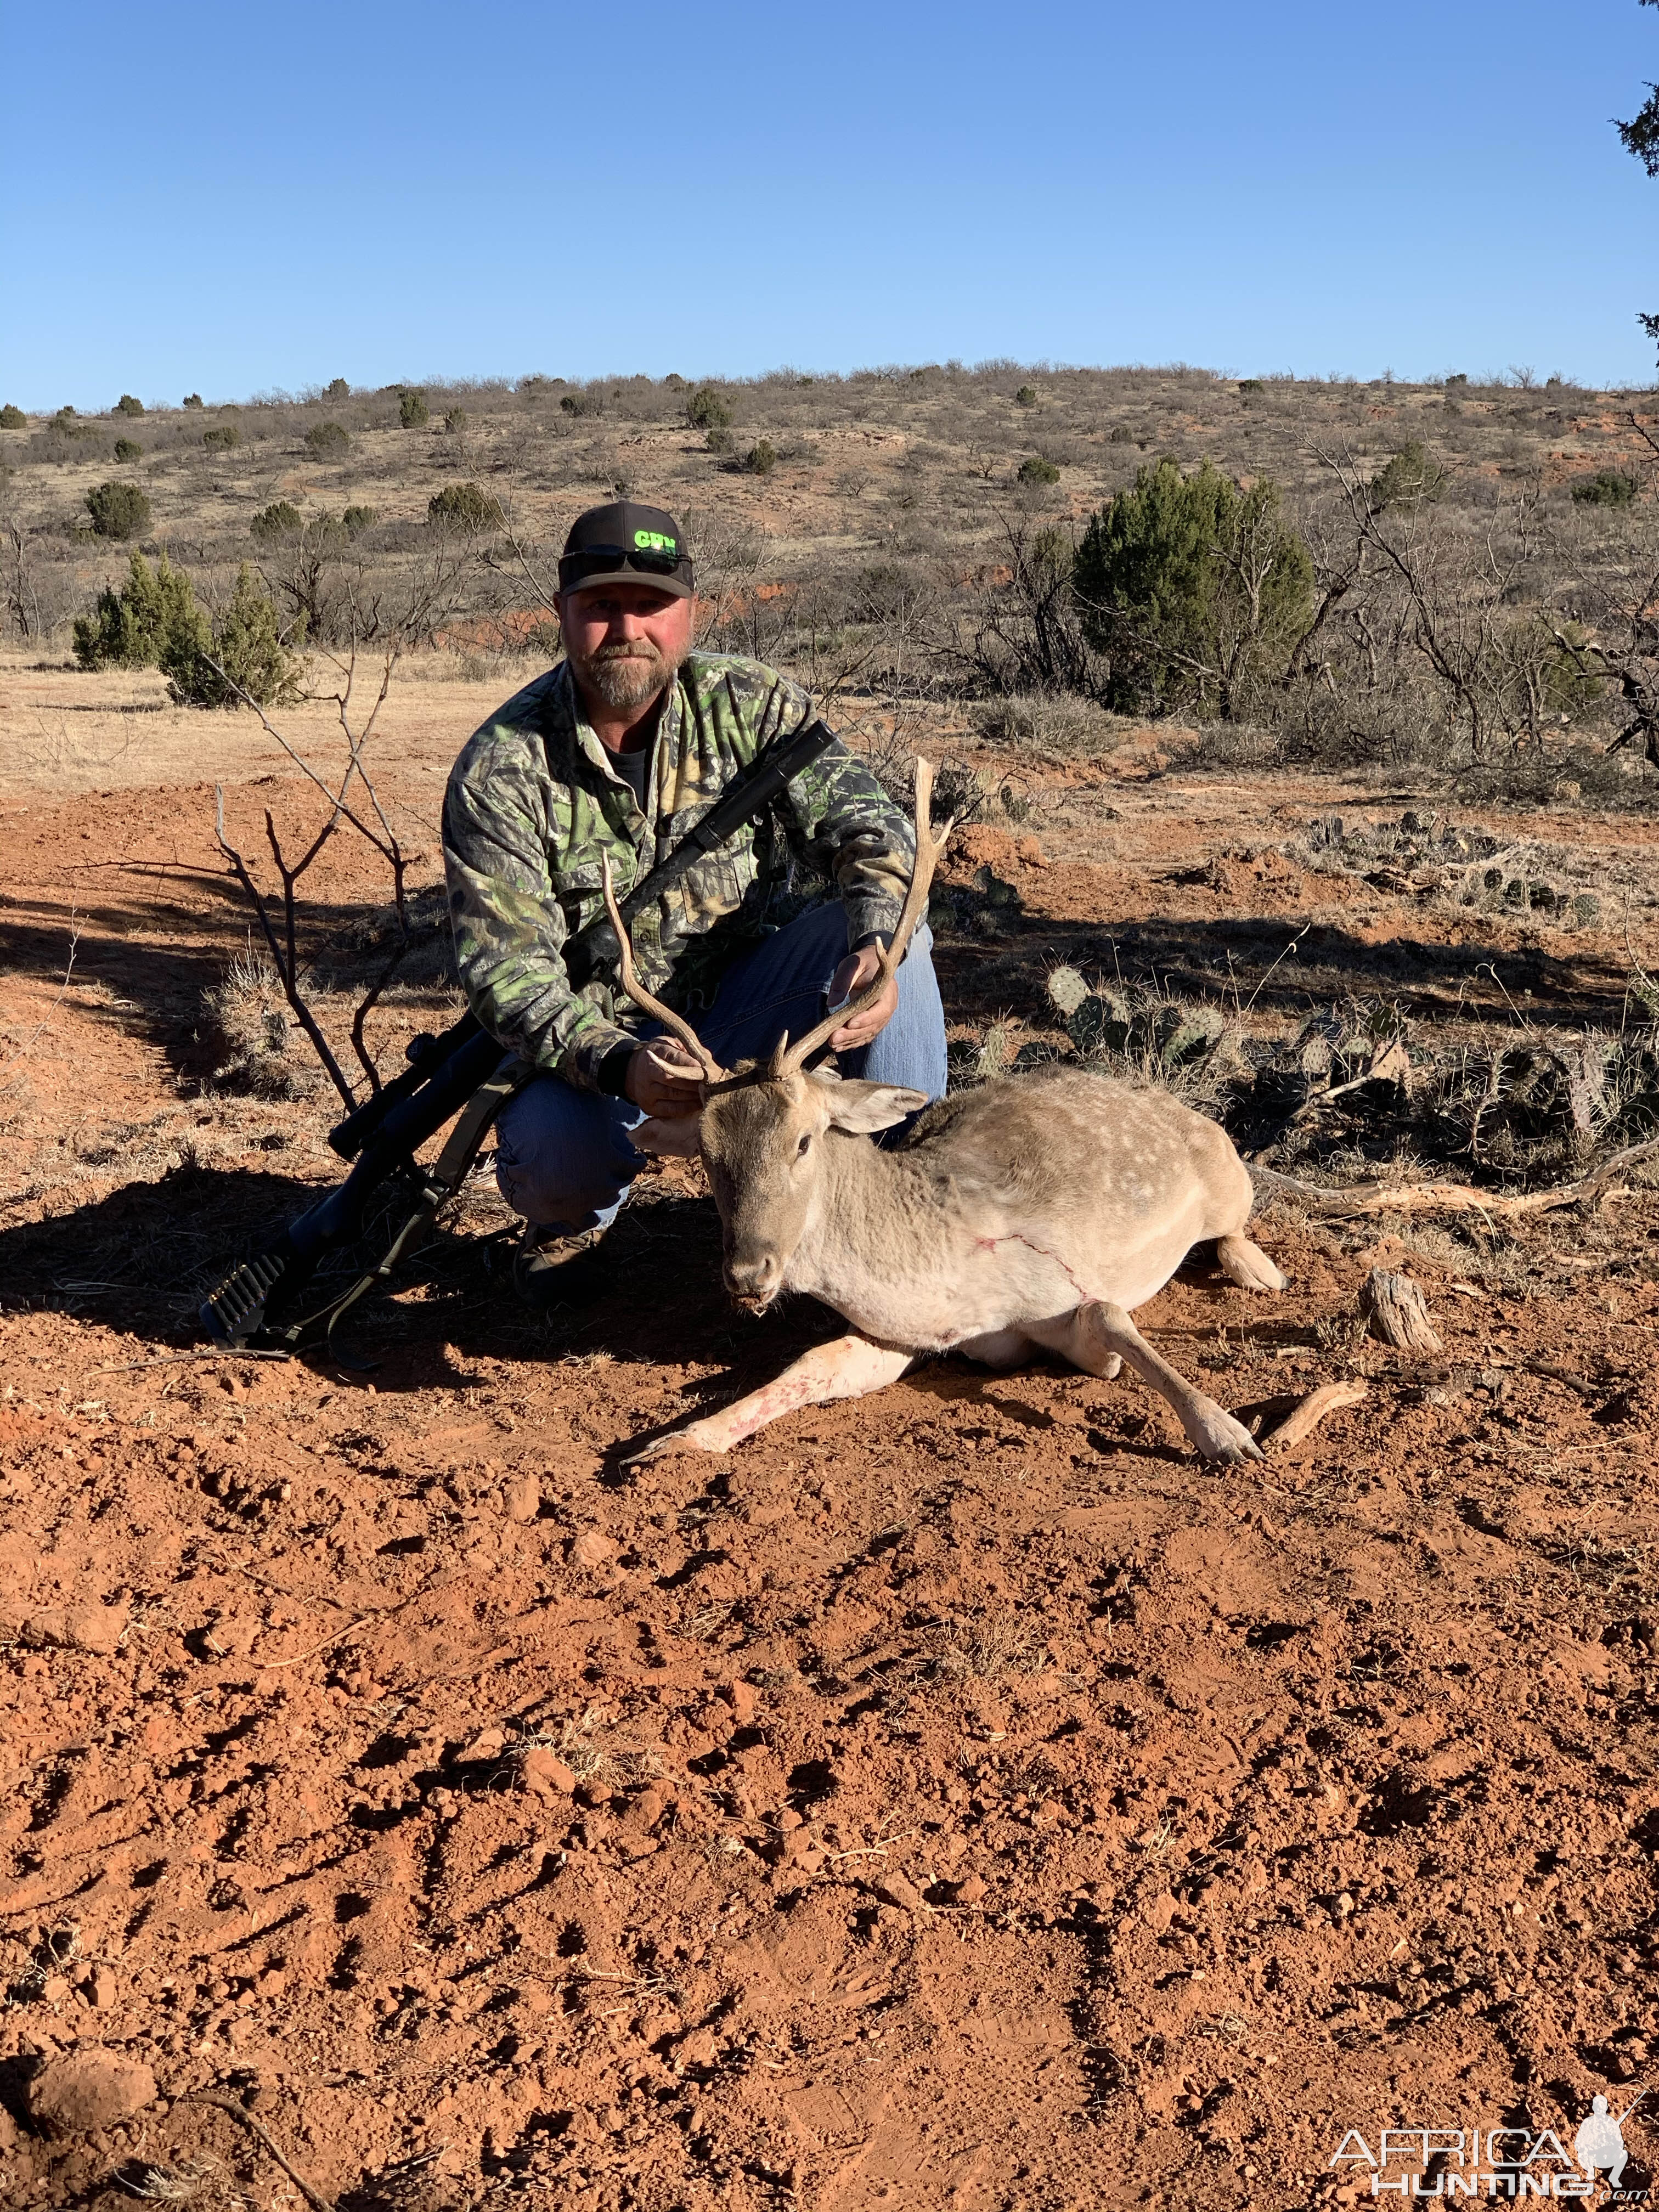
pixel 850 978
pixel 663 1078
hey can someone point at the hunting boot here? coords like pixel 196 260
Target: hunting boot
pixel 542 1265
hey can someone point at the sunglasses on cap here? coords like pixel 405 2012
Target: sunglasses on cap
pixel 611 560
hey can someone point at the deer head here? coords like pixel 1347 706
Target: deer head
pixel 763 1129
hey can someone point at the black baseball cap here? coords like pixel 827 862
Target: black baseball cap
pixel 627 543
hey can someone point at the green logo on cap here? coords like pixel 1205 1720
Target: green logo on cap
pixel 655 541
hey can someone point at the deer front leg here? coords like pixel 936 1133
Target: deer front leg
pixel 1097 1336
pixel 850 1367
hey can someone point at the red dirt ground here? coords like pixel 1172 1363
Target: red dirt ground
pixel 958 1799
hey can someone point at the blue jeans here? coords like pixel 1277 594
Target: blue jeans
pixel 565 1159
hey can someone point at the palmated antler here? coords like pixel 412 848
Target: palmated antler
pixel 790 1059
pixel 676 1025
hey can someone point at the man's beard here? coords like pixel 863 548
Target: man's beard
pixel 628 675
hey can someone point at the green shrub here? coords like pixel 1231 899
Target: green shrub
pixel 119 510
pixel 1158 585
pixel 465 506
pixel 154 622
pixel 411 407
pixel 125 450
pixel 538 384
pixel 13 418
pixel 356 520
pixel 1248 383
pixel 327 442
pixel 1458 383
pixel 1026 396
pixel 337 388
pixel 192 399
pixel 674 380
pixel 455 419
pixel 1409 480
pixel 762 458
pixel 247 646
pixel 718 440
pixel 1607 487
pixel 224 438
pixel 1037 469
pixel 154 616
pixel 273 523
pixel 582 403
pixel 126 404
pixel 706 409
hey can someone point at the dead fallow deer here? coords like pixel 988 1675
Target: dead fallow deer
pixel 1034 1212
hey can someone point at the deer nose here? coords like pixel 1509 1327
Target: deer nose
pixel 753 1281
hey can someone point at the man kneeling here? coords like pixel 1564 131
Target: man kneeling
pixel 615 753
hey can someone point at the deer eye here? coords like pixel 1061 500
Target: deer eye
pixel 804 1147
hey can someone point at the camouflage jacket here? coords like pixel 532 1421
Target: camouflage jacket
pixel 533 804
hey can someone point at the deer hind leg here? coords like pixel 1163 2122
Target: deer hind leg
pixel 1247 1265
pixel 849 1367
pixel 1098 1337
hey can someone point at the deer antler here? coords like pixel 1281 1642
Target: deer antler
pixel 676 1025
pixel 789 1059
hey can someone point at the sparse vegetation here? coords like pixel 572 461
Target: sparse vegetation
pixel 1607 487
pixel 465 506
pixel 119 510
pixel 328 441
pixel 707 410
pixel 455 421
pixel 281 519
pixel 1411 476
pixel 250 1028
pixel 1461 603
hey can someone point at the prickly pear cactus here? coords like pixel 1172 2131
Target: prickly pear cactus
pixel 1066 991
pixel 1099 1022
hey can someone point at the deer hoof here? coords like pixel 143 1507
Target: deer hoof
pixel 696 1436
pixel 1221 1439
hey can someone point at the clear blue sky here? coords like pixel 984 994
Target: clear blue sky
pixel 236 199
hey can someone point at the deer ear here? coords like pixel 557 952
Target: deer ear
pixel 861 1109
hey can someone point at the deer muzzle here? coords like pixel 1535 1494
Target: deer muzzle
pixel 754 1282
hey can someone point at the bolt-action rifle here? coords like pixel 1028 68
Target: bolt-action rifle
pixel 263 1303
